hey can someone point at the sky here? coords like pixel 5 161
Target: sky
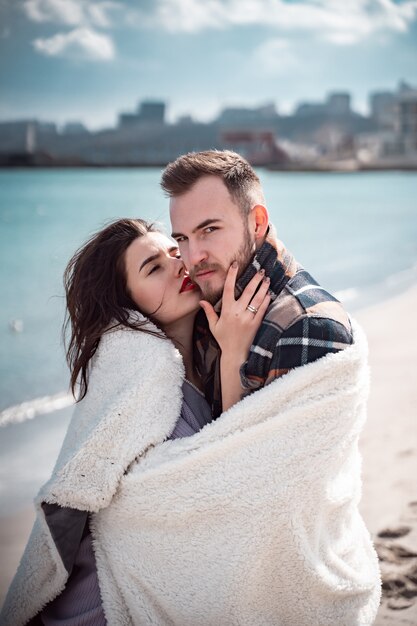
pixel 82 60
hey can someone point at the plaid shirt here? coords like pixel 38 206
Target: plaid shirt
pixel 303 323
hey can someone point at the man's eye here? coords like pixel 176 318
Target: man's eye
pixel 210 229
pixel 180 239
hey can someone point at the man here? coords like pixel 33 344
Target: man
pixel 276 483
pixel 218 216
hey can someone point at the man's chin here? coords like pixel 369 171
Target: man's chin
pixel 210 294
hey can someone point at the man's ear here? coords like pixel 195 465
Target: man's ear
pixel 260 221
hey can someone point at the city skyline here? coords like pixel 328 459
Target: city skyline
pixel 64 60
pixel 266 110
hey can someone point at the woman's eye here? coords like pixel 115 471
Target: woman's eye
pixel 155 267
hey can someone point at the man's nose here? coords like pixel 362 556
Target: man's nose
pixel 196 254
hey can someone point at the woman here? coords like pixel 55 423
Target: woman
pixel 131 308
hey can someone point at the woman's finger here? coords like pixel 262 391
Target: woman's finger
pixel 251 287
pixel 229 284
pixel 260 314
pixel 259 297
pixel 211 314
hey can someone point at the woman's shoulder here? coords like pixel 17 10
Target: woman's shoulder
pixel 123 348
pixel 142 333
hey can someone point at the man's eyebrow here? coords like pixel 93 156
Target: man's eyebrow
pixel 207 222
pixel 153 257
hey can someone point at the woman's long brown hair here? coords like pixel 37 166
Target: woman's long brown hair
pixel 97 296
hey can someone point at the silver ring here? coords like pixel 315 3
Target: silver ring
pixel 252 309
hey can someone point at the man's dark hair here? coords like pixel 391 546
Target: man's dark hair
pixel 237 174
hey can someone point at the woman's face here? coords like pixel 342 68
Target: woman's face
pixel 157 280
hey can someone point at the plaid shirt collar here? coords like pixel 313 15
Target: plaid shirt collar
pixel 278 263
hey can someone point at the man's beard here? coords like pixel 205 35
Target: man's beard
pixel 243 257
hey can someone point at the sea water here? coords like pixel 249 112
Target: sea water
pixel 356 234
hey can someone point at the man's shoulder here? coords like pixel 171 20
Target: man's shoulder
pixel 303 298
pixel 303 323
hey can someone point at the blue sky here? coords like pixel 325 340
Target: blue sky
pixel 65 60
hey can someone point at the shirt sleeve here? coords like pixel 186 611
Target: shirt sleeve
pixel 305 341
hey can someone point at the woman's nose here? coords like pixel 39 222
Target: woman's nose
pixel 179 267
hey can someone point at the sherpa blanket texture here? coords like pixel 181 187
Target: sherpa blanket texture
pixel 252 521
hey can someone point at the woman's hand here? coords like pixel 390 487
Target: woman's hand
pixel 236 327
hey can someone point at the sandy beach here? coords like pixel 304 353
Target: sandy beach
pixel 389 450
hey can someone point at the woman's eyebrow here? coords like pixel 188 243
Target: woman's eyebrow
pixel 153 257
pixel 149 260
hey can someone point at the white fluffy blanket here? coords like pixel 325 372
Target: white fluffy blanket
pixel 252 521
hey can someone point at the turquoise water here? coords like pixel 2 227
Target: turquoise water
pixel 354 232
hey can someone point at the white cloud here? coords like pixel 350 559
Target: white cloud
pixel 80 43
pixel 99 13
pixel 276 57
pixel 71 12
pixel 190 15
pixel 342 23
pixel 336 21
pixel 68 12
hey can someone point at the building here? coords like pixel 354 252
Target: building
pixel 19 136
pixel 383 108
pixel 338 104
pixel 407 120
pixel 258 147
pixel 148 112
pixel 74 128
pixel 24 136
pixel 310 109
pixel 232 117
pixel 151 112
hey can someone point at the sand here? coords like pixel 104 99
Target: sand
pixel 14 533
pixel 389 450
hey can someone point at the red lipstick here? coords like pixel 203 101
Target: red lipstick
pixel 187 285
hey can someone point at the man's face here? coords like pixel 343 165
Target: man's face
pixel 211 233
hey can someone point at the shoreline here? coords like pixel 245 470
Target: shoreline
pixel 388 446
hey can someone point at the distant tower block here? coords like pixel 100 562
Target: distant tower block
pixel 338 103
pixel 151 111
pixel 30 138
